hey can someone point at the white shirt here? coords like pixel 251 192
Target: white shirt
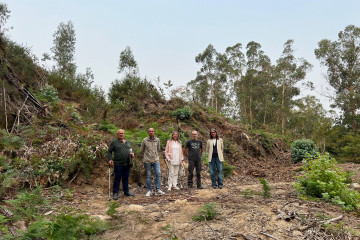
pixel 175 153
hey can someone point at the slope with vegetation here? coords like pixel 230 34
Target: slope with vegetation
pixel 56 127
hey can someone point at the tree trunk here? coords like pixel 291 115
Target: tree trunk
pixel 283 109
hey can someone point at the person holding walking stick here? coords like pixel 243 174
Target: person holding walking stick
pixel 119 155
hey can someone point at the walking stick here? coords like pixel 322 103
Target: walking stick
pixel 109 184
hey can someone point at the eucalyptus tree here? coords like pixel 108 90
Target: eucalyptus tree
pixel 253 54
pixel 4 16
pixel 342 59
pixel 289 72
pixel 236 67
pixel 127 62
pixel 309 120
pixel 208 68
pixel 64 49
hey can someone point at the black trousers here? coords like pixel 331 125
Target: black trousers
pixel 121 173
pixel 194 164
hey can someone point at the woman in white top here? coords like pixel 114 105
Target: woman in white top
pixel 174 155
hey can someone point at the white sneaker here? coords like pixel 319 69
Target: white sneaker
pixel 177 188
pixel 169 188
pixel 159 192
pixel 148 194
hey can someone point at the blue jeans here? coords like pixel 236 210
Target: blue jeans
pixel 216 167
pixel 148 169
pixel 121 172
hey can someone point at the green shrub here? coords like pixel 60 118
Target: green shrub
pixel 182 113
pixel 228 170
pixel 301 147
pixel 48 94
pixel 108 127
pixel 3 227
pixel 324 180
pixel 7 180
pixel 350 152
pixel 247 193
pixel 112 209
pixel 206 212
pixel 10 141
pixel 27 205
pixel 266 188
pixel 66 225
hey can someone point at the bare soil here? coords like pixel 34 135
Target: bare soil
pixel 244 214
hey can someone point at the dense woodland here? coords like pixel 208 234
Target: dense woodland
pixel 240 86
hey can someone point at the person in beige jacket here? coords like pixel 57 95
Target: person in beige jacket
pixel 150 147
pixel 215 149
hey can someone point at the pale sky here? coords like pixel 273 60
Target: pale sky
pixel 165 36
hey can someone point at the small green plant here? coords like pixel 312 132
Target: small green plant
pixel 69 194
pixel 108 127
pixel 48 94
pixel 69 224
pixel 3 227
pixel 112 209
pixel 28 205
pixel 300 148
pixel 265 188
pixel 248 193
pixel 169 232
pixel 206 212
pixel 10 141
pixel 228 170
pixel 348 176
pixel 324 180
pixel 182 113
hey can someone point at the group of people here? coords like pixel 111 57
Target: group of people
pixel 120 153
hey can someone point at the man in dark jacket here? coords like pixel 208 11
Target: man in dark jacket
pixel 122 152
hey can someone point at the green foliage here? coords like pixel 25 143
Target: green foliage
pixel 350 151
pixel 265 188
pixel 27 205
pixel 301 147
pixel 3 227
pixel 108 127
pixel 206 212
pixel 340 57
pixel 169 232
pixel 182 113
pixel 112 209
pixel 10 141
pixel 348 177
pixel 84 160
pixel 127 61
pixel 228 170
pixel 7 180
pixel 64 49
pixel 322 179
pixel 69 224
pixel 131 91
pixel 247 193
pixel 48 94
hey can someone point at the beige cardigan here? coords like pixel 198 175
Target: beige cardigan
pixel 220 148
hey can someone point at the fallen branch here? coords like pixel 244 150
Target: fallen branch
pixel 270 236
pixel 6 121
pixel 322 222
pixel 334 219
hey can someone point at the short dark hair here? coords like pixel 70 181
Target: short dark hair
pixel 213 129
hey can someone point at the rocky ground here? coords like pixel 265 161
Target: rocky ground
pixel 244 214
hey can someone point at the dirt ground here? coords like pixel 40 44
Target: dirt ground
pixel 244 214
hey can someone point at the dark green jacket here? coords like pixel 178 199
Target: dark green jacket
pixel 121 152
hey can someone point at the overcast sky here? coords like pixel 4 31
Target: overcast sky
pixel 165 36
